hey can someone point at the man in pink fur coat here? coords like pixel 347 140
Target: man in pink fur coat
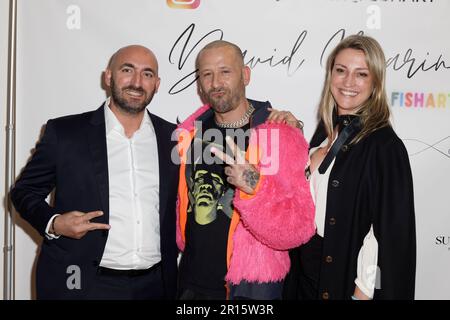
pixel 243 199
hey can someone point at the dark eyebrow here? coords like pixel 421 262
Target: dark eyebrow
pixel 130 65
pixel 150 69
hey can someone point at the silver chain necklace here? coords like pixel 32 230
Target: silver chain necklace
pixel 239 123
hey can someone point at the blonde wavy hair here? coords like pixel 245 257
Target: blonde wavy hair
pixel 374 113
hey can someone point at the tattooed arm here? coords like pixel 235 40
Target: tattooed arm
pixel 251 177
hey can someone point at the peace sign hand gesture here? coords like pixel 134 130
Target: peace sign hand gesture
pixel 76 224
pixel 239 171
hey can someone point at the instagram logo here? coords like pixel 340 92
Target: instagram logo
pixel 183 4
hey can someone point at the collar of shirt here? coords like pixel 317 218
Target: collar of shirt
pixel 113 124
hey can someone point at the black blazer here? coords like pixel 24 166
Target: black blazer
pixel 370 184
pixel 71 158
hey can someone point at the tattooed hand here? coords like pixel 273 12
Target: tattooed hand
pixel 240 173
pixel 251 177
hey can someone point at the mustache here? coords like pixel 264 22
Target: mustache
pixel 217 90
pixel 138 89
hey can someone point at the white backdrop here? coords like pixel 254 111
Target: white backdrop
pixel 64 45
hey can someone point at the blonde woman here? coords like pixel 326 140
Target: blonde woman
pixel 360 178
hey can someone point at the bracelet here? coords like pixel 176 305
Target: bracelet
pixel 53 226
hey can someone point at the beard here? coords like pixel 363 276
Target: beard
pixel 127 105
pixel 225 103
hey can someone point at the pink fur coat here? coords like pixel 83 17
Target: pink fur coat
pixel 278 217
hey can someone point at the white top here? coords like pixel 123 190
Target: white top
pixel 368 254
pixel 134 238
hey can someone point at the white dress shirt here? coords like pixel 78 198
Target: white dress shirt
pixel 368 254
pixel 134 238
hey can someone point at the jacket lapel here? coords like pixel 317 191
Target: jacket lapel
pixel 163 163
pixel 97 146
pixel 261 113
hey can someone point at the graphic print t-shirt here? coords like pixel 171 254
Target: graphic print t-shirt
pixel 203 266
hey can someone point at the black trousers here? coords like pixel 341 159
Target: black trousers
pixel 302 281
pixel 111 285
pixel 190 294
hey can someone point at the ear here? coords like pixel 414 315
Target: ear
pixel 107 77
pixel 158 82
pixel 246 72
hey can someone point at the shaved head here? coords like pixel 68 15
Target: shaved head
pixel 119 55
pixel 132 76
pixel 222 77
pixel 221 44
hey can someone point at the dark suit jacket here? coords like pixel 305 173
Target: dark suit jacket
pixel 370 184
pixel 72 158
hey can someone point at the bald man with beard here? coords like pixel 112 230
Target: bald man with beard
pixel 110 231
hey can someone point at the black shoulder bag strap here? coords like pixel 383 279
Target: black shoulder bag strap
pixel 343 136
